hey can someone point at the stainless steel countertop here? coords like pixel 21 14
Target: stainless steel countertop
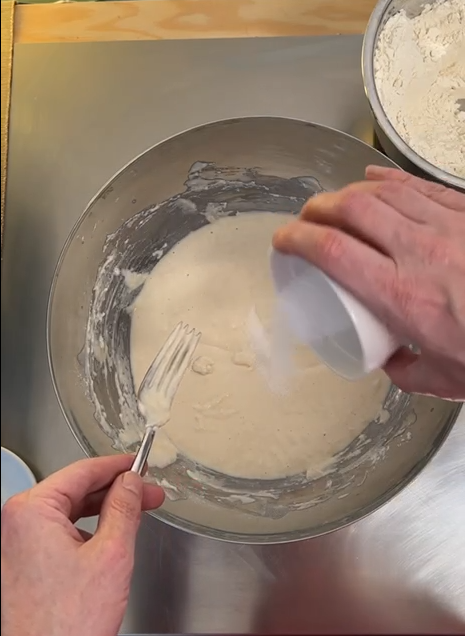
pixel 79 113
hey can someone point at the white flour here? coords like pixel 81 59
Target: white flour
pixel 420 77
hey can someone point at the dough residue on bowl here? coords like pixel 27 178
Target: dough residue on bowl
pixel 419 69
pixel 225 416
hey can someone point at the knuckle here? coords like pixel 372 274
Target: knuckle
pixel 388 189
pixel 430 188
pixel 125 507
pixel 392 193
pixel 330 245
pixel 355 203
pixel 350 197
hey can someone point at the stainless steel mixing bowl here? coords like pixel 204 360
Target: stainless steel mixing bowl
pixel 390 140
pixel 240 165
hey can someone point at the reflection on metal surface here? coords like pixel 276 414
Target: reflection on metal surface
pixel 389 452
pixel 401 570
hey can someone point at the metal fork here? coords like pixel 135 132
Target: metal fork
pixel 162 381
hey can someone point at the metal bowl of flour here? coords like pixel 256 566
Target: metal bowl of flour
pixel 240 166
pixel 390 140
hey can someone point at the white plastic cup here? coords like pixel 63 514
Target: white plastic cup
pixel 342 332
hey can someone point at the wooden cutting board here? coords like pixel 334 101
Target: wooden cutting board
pixel 7 17
pixel 187 19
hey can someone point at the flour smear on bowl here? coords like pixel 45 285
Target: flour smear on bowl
pixel 419 68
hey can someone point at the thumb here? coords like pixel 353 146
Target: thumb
pixel 121 510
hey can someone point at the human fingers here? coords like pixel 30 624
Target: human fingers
pixel 66 489
pixel 401 359
pixel 362 270
pixel 152 498
pixel 372 203
pixel 358 210
pixel 365 272
pixel 415 373
pixel 409 202
pixel 448 197
pixel 120 515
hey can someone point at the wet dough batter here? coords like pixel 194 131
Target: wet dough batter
pixel 225 416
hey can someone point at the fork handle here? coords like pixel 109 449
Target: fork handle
pixel 144 450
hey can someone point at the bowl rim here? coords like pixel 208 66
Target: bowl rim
pixel 368 49
pixel 224 536
pixel 169 518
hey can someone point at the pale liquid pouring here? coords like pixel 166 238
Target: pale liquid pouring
pixel 225 416
pixel 322 315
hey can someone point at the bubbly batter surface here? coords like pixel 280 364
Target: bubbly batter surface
pixel 225 416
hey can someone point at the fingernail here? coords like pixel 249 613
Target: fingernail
pixel 133 482
pixel 376 169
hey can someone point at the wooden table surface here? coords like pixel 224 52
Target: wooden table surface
pixel 183 19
